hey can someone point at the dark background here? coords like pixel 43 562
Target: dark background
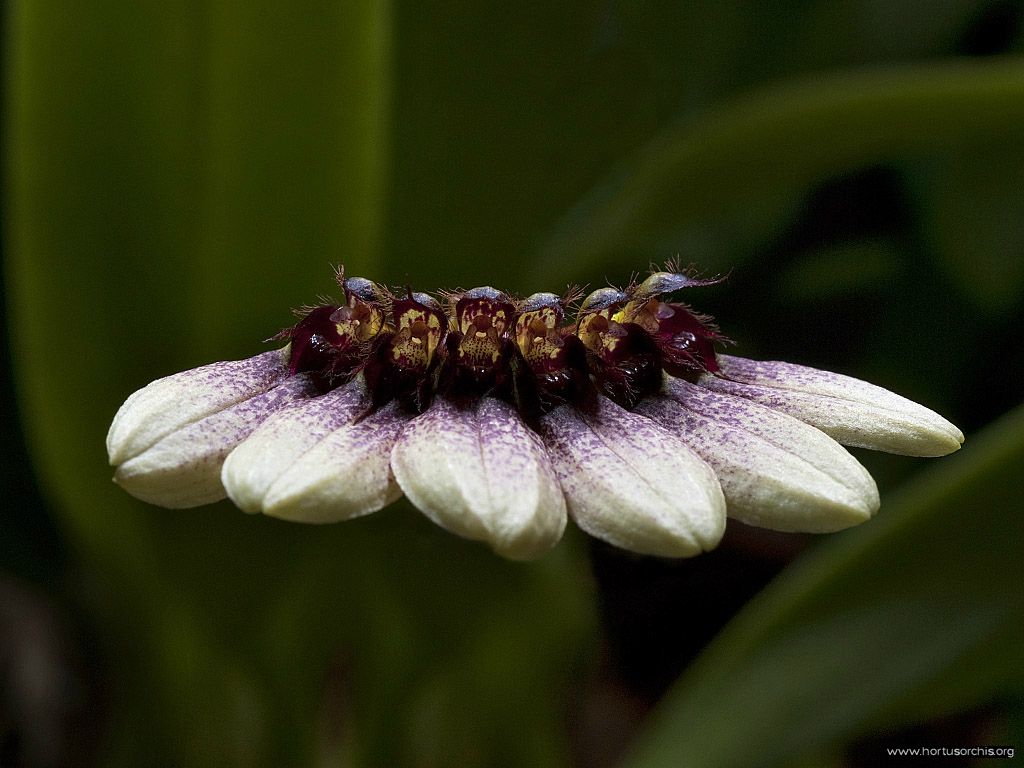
pixel 177 176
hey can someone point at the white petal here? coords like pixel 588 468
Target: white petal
pixel 255 465
pixel 347 474
pixel 776 472
pixel 176 401
pixel 480 472
pixel 183 469
pixel 849 410
pixel 633 483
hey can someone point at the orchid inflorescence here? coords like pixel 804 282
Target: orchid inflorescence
pixel 410 347
pixel 498 416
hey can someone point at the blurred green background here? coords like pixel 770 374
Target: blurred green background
pixel 178 175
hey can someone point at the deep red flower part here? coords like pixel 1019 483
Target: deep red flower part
pixel 527 352
pixel 500 418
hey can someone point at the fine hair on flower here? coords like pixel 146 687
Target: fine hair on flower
pixel 501 417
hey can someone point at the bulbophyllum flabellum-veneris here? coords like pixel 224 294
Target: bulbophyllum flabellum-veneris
pixel 501 417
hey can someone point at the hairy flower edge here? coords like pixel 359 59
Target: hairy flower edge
pixel 500 420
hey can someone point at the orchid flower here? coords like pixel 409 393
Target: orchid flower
pixel 500 418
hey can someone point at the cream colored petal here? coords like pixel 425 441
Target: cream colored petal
pixel 257 463
pixel 183 469
pixel 776 472
pixel 346 475
pixel 173 402
pixel 480 472
pixel 633 483
pixel 849 410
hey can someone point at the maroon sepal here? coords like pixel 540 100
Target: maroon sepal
pixel 686 343
pixel 314 340
pixel 633 371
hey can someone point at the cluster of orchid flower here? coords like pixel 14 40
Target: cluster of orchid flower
pixel 499 418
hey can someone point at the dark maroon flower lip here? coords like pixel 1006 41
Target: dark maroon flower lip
pixel 524 351
pixel 500 418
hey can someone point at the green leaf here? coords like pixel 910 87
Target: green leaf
pixel 174 191
pixel 838 271
pixel 916 614
pixel 504 119
pixel 180 178
pixel 713 186
pixel 973 212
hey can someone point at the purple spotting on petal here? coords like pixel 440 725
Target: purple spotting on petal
pixel 281 440
pixel 222 431
pixel 633 483
pixel 345 475
pixel 852 411
pixel 776 471
pixel 170 403
pixel 776 373
pixel 183 469
pixel 233 379
pixel 476 469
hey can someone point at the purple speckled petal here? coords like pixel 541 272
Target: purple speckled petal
pixel 633 483
pixel 776 472
pixel 480 472
pixel 255 465
pixel 173 402
pixel 183 469
pixel 346 475
pixel 847 409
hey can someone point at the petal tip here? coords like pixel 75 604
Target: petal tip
pixel 479 472
pixel 841 517
pixel 122 443
pixel 956 441
pixel 236 477
pixel 167 488
pixel 932 440
pixel 525 548
pixel 633 484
